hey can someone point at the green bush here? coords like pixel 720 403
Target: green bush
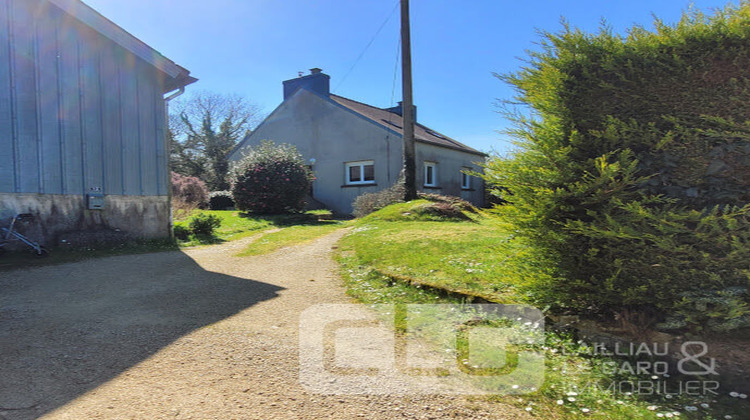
pixel 204 224
pixel 271 179
pixel 631 179
pixel 220 200
pixel 370 202
pixel 715 310
pixel 181 231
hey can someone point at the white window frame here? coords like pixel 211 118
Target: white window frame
pixel 361 164
pixel 434 167
pixel 465 179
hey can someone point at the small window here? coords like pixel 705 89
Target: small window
pixel 430 174
pixel 362 172
pixel 434 134
pixel 465 179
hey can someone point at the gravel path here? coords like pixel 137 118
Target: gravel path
pixel 197 334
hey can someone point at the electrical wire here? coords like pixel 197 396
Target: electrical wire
pixel 387 19
pixel 395 73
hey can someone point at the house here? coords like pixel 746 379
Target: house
pixel 355 148
pixel 82 124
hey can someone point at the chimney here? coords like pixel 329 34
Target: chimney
pixel 399 110
pixel 316 81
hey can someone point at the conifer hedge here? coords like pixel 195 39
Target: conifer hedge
pixel 631 176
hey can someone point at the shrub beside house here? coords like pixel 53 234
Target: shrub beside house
pixel 270 179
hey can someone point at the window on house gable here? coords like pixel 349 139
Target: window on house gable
pixel 465 179
pixel 430 174
pixel 362 172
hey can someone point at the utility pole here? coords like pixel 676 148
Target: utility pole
pixel 407 107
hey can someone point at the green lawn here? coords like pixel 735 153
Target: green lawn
pixel 398 255
pixel 238 225
pixel 293 235
pixel 294 229
pixel 234 225
pixel 466 257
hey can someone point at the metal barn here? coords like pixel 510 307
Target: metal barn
pixel 82 124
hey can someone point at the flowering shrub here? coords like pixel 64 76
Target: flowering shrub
pixel 271 179
pixel 189 190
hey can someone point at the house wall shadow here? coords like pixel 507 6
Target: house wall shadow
pixel 66 329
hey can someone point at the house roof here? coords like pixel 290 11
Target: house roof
pixel 178 76
pixel 395 122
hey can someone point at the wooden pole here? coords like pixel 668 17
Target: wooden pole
pixel 407 108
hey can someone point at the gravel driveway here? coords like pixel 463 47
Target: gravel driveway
pixel 195 334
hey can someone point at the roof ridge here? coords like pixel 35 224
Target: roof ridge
pixel 440 140
pixel 362 103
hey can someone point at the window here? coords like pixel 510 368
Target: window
pixel 434 134
pixel 430 174
pixel 465 179
pixel 362 172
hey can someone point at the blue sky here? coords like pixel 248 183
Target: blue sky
pixel 249 46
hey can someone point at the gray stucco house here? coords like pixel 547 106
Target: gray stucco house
pixel 355 148
pixel 82 124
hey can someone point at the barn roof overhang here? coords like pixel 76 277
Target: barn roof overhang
pixel 177 76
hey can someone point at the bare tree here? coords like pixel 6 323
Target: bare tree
pixel 203 129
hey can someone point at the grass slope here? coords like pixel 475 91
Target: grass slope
pixel 401 255
pixel 462 256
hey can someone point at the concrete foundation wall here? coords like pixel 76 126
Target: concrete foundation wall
pixel 64 220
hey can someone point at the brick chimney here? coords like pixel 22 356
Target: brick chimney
pixel 316 81
pixel 399 110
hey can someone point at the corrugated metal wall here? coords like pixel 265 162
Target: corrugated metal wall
pixel 78 113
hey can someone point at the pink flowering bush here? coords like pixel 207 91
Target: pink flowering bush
pixel 271 179
pixel 189 190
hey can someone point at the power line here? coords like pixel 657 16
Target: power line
pixel 395 73
pixel 392 103
pixel 387 19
